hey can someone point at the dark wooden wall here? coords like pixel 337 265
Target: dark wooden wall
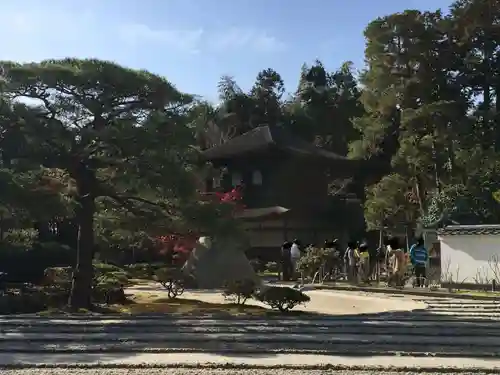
pixel 291 181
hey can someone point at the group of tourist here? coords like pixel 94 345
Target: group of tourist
pixel 360 262
pixel 399 260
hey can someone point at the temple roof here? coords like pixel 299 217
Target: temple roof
pixel 257 213
pixel 266 137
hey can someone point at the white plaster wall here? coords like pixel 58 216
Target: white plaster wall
pixel 469 258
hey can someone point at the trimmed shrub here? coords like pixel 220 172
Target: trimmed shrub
pixel 109 281
pixel 239 291
pixel 58 276
pixel 257 265
pixel 108 290
pixel 23 303
pixel 139 271
pixel 171 279
pixel 282 298
pixel 119 276
pixel 101 268
pixel 272 267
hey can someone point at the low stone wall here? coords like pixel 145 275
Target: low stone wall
pixel 471 286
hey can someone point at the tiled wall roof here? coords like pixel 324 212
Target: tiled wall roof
pixel 468 230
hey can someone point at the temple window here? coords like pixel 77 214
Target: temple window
pixel 216 182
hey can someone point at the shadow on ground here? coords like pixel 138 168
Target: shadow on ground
pixel 415 332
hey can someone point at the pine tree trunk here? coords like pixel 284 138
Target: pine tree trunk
pixel 81 288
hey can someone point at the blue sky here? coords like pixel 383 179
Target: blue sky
pixel 194 42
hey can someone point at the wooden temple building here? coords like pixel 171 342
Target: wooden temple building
pixel 285 183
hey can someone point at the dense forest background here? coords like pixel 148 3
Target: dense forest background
pixel 104 158
pixel 426 104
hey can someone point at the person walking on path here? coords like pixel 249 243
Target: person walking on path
pixel 419 257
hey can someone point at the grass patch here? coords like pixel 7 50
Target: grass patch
pixel 188 307
pixel 150 302
pixel 156 303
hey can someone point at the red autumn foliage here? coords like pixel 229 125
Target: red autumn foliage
pixel 180 246
pixel 176 246
pixel 234 195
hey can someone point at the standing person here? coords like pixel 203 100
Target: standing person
pixel 373 251
pixel 380 264
pixel 352 258
pixel 295 255
pixel 286 261
pixel 398 262
pixel 419 257
pixel 364 262
pixel 341 263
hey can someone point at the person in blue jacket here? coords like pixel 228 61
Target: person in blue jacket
pixel 419 257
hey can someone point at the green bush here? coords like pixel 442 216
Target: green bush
pixel 58 274
pixel 282 298
pixel 157 266
pixel 272 267
pixel 31 299
pixel 58 277
pixel 109 283
pixel 109 291
pixel 101 268
pixel 313 260
pixel 108 288
pixel 138 270
pixel 23 303
pixel 21 237
pixel 55 297
pixel 120 276
pixel 239 291
pixel 142 270
pixel 257 265
pixel 62 275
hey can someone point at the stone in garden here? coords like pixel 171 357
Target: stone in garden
pixel 213 263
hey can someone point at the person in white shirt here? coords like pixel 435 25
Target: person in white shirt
pixel 295 254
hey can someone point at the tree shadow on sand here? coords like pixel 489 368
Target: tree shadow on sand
pixel 416 333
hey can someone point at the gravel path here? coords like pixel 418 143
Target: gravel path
pixel 467 337
pixel 217 372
